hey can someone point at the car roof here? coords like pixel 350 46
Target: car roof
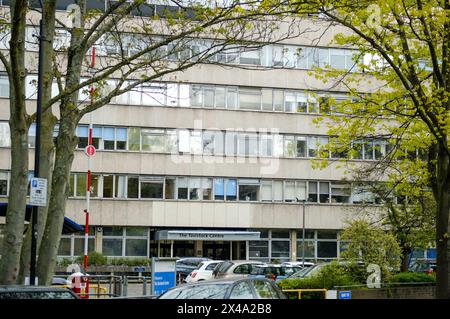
pixel 25 289
pixel 238 262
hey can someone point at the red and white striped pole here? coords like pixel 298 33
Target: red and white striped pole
pixel 90 151
pixel 88 188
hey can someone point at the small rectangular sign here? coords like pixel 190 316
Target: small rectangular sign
pixel 345 295
pixel 163 274
pixel 38 192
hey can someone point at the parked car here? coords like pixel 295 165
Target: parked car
pixel 204 271
pixel 226 289
pixel 424 266
pixel 273 272
pixel 184 266
pixel 235 269
pixel 307 271
pixel 36 292
pixel 298 264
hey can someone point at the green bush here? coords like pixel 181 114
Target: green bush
pixel 408 277
pixel 94 259
pixel 129 261
pixel 328 277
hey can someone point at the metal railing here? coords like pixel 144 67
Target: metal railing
pixel 300 291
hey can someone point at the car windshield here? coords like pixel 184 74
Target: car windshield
pixel 300 273
pixel 210 291
pixel 223 267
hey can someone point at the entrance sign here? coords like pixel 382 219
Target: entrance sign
pixel 163 275
pixel 206 235
pixel 38 192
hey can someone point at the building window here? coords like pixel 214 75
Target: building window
pixel 182 187
pixel 132 187
pixel 249 189
pixel 83 136
pixel 265 145
pixel 289 146
pixel 222 184
pixel 230 143
pixel 152 187
pixel 248 144
pixel 324 196
pixel 249 99
pixel 120 186
pixel 231 187
pixel 327 249
pixel 108 138
pixel 312 192
pixel 108 186
pixel 340 192
pixel 112 242
pixel 153 140
pixel 136 242
pixel 5 137
pixel 266 191
pixel 196 142
pixel 134 139
pixel 259 249
pixel 3 183
pixel 170 188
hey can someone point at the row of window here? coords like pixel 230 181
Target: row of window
pixel 223 189
pixel 274 55
pixel 274 244
pixel 208 96
pixel 209 188
pixel 212 142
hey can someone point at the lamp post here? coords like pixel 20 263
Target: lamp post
pixel 303 231
pixel 37 154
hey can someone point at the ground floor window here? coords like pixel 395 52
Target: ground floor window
pixel 125 241
pixel 73 245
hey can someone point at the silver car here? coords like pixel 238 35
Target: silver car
pixel 235 269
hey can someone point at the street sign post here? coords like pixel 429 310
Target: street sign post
pixel 163 275
pixel 38 192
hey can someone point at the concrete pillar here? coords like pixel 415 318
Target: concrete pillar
pixel 293 253
pixel 198 248
pixel 99 239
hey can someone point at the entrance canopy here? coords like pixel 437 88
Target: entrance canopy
pixel 69 226
pixel 206 235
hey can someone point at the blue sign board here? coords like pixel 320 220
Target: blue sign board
pixel 163 275
pixel 163 281
pixel 345 295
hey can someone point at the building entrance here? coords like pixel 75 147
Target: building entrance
pixel 224 250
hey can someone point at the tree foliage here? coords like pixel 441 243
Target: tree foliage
pixel 371 245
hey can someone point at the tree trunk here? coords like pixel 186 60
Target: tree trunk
pixel 66 142
pixel 15 214
pixel 406 252
pixel 443 226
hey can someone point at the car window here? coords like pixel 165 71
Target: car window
pixel 200 265
pixel 242 269
pixel 257 271
pixel 241 291
pixel 211 266
pixel 265 290
pixel 224 266
pixel 212 291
